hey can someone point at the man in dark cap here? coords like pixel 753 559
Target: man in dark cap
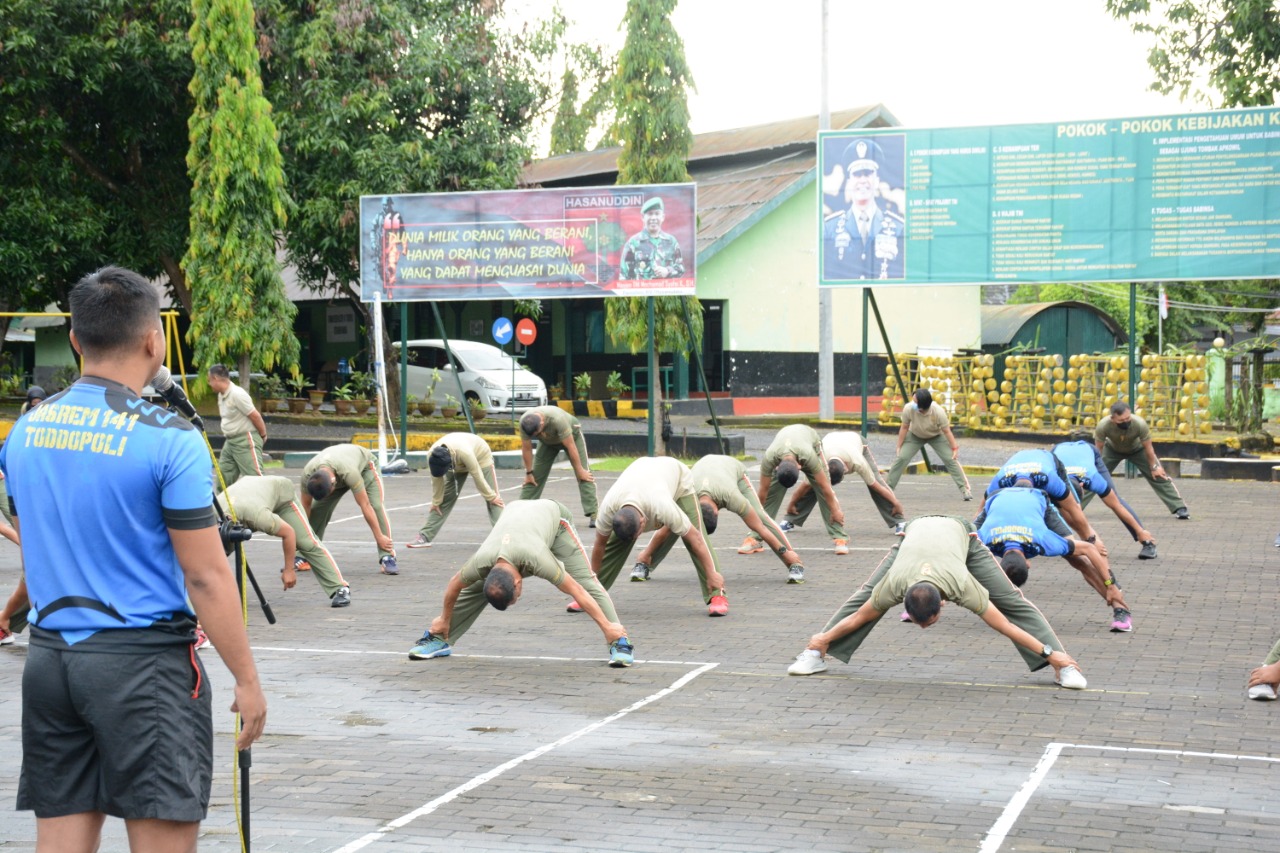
pixel 653 253
pixel 35 396
pixel 863 241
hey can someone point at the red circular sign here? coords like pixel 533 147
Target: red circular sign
pixel 526 331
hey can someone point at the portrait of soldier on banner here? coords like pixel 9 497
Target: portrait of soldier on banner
pixel 864 208
pixel 652 253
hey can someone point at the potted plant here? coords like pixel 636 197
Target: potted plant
pixel 364 388
pixel 615 386
pixel 478 409
pixel 555 393
pixel 450 407
pixel 317 398
pixel 582 386
pixel 271 390
pixel 342 397
pixel 298 402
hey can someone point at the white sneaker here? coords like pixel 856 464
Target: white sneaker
pixel 807 664
pixel 1262 692
pixel 1071 678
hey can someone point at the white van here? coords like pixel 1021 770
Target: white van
pixel 486 372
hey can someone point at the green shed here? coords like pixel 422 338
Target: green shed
pixel 1066 328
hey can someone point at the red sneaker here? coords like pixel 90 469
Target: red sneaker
pixel 201 639
pixel 6 637
pixel 574 607
pixel 719 606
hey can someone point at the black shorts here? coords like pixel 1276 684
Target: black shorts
pixel 130 735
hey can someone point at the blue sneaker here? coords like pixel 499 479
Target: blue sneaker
pixel 787 527
pixel 388 564
pixel 620 653
pixel 430 647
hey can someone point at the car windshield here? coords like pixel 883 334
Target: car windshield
pixel 486 359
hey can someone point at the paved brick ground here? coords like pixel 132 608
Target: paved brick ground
pixel 707 744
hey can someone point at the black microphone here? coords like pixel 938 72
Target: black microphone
pixel 174 395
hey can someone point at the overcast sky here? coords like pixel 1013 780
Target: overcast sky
pixel 932 63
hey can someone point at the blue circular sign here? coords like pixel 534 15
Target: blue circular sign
pixel 502 330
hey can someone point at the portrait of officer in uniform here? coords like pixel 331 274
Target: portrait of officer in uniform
pixel 863 237
pixel 652 253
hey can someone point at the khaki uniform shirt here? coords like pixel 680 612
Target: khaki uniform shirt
pixel 348 462
pixel 1124 441
pixel 234 406
pixel 523 537
pixel 471 455
pixel 935 549
pixel 847 447
pixel 800 441
pixel 557 426
pixel 928 424
pixel 652 484
pixel 256 500
pixel 718 477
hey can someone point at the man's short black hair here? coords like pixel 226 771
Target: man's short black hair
pixel 35 392
pixel 500 588
pixel 440 461
pixel 320 484
pixel 922 602
pixel 1081 435
pixel 220 371
pixel 111 308
pixel 626 524
pixel 531 423
pixel 1119 407
pixel 1014 563
pixel 923 398
pixel 710 515
pixel 787 472
pixel 835 470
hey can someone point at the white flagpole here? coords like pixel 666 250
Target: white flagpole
pixel 380 375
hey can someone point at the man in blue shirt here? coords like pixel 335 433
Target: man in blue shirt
pixel 1045 472
pixel 1016 524
pixel 1084 466
pixel 112 497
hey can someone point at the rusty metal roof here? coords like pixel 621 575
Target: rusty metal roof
pixel 741 174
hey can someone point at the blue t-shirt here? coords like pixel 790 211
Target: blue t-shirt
pixel 1040 466
pixel 1084 465
pixel 1015 516
pixel 96 475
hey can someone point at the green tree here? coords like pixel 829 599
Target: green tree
pixel 390 97
pixel 239 308
pixel 1233 46
pixel 575 122
pixel 94 104
pixel 651 92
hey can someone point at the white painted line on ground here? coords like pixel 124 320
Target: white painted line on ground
pixel 601 659
pixel 996 835
pixel 428 808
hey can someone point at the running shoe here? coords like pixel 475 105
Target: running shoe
pixel 430 647
pixel 388 566
pixel 6 637
pixel 1071 678
pixel 202 639
pixel 751 545
pixel 1263 692
pixel 573 607
pixel 787 527
pixel 1148 551
pixel 640 572
pixel 420 541
pixel 842 546
pixel 621 653
pixel 1123 622
pixel 807 664
pixel 719 606
pixel 341 598
pixel 300 564
pixel 795 573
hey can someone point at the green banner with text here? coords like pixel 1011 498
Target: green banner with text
pixel 1189 197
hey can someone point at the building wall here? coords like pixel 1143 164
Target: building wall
pixel 769 274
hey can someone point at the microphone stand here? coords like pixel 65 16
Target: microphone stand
pixel 233 537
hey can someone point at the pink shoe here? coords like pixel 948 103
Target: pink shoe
pixel 574 607
pixel 719 606
pixel 202 639
pixel 906 617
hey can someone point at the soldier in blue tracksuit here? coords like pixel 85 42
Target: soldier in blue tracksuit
pixel 1084 465
pixel 1017 524
pixel 1046 473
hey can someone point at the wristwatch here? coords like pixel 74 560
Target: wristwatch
pixel 1046 651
